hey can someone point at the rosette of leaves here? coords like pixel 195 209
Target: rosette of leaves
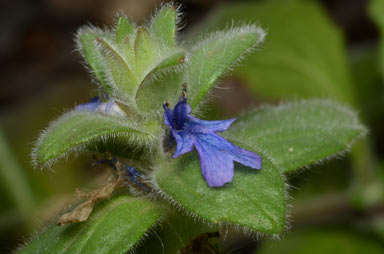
pixel 139 67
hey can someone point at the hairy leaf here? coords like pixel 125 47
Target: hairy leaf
pixel 295 135
pixel 146 52
pixel 87 43
pixel 254 200
pixel 120 73
pixel 303 56
pixel 164 65
pixel 124 30
pixel 75 130
pixel 151 95
pixel 215 55
pixel 175 232
pixel 129 57
pixel 171 60
pixel 164 26
pixel 125 40
pixel 115 227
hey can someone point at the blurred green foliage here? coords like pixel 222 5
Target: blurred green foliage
pixel 319 241
pixel 376 9
pixel 303 55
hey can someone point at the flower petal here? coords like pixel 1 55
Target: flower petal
pixel 198 125
pixel 238 154
pixel 247 158
pixel 90 106
pixel 184 142
pixel 180 113
pixel 219 154
pixel 216 165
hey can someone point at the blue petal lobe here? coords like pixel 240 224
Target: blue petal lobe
pixel 184 142
pixel 245 157
pixel 198 125
pixel 216 165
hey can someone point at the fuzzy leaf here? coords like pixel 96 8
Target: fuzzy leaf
pixel 87 44
pixel 124 29
pixel 213 56
pixel 176 232
pixel 303 56
pixel 151 95
pixel 146 53
pixel 295 135
pixel 125 39
pixel 165 64
pixel 75 130
pixel 254 200
pixel 376 9
pixel 121 74
pixel 169 61
pixel 115 227
pixel 164 26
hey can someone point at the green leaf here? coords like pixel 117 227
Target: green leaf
pixel 169 61
pixel 287 137
pixel 120 72
pixel 164 26
pixel 303 56
pixel 146 53
pixel 151 95
pixel 255 199
pixel 115 226
pixel 125 39
pixel 75 130
pixel 162 83
pixel 129 57
pixel 295 135
pixel 124 30
pixel 87 43
pixel 376 9
pixel 320 241
pixel 175 232
pixel 213 56
pixel 166 64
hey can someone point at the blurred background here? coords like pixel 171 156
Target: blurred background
pixel 323 49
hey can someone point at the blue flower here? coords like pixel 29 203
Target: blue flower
pixel 96 105
pixel 90 106
pixel 216 153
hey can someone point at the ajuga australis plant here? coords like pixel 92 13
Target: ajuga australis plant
pixel 171 169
